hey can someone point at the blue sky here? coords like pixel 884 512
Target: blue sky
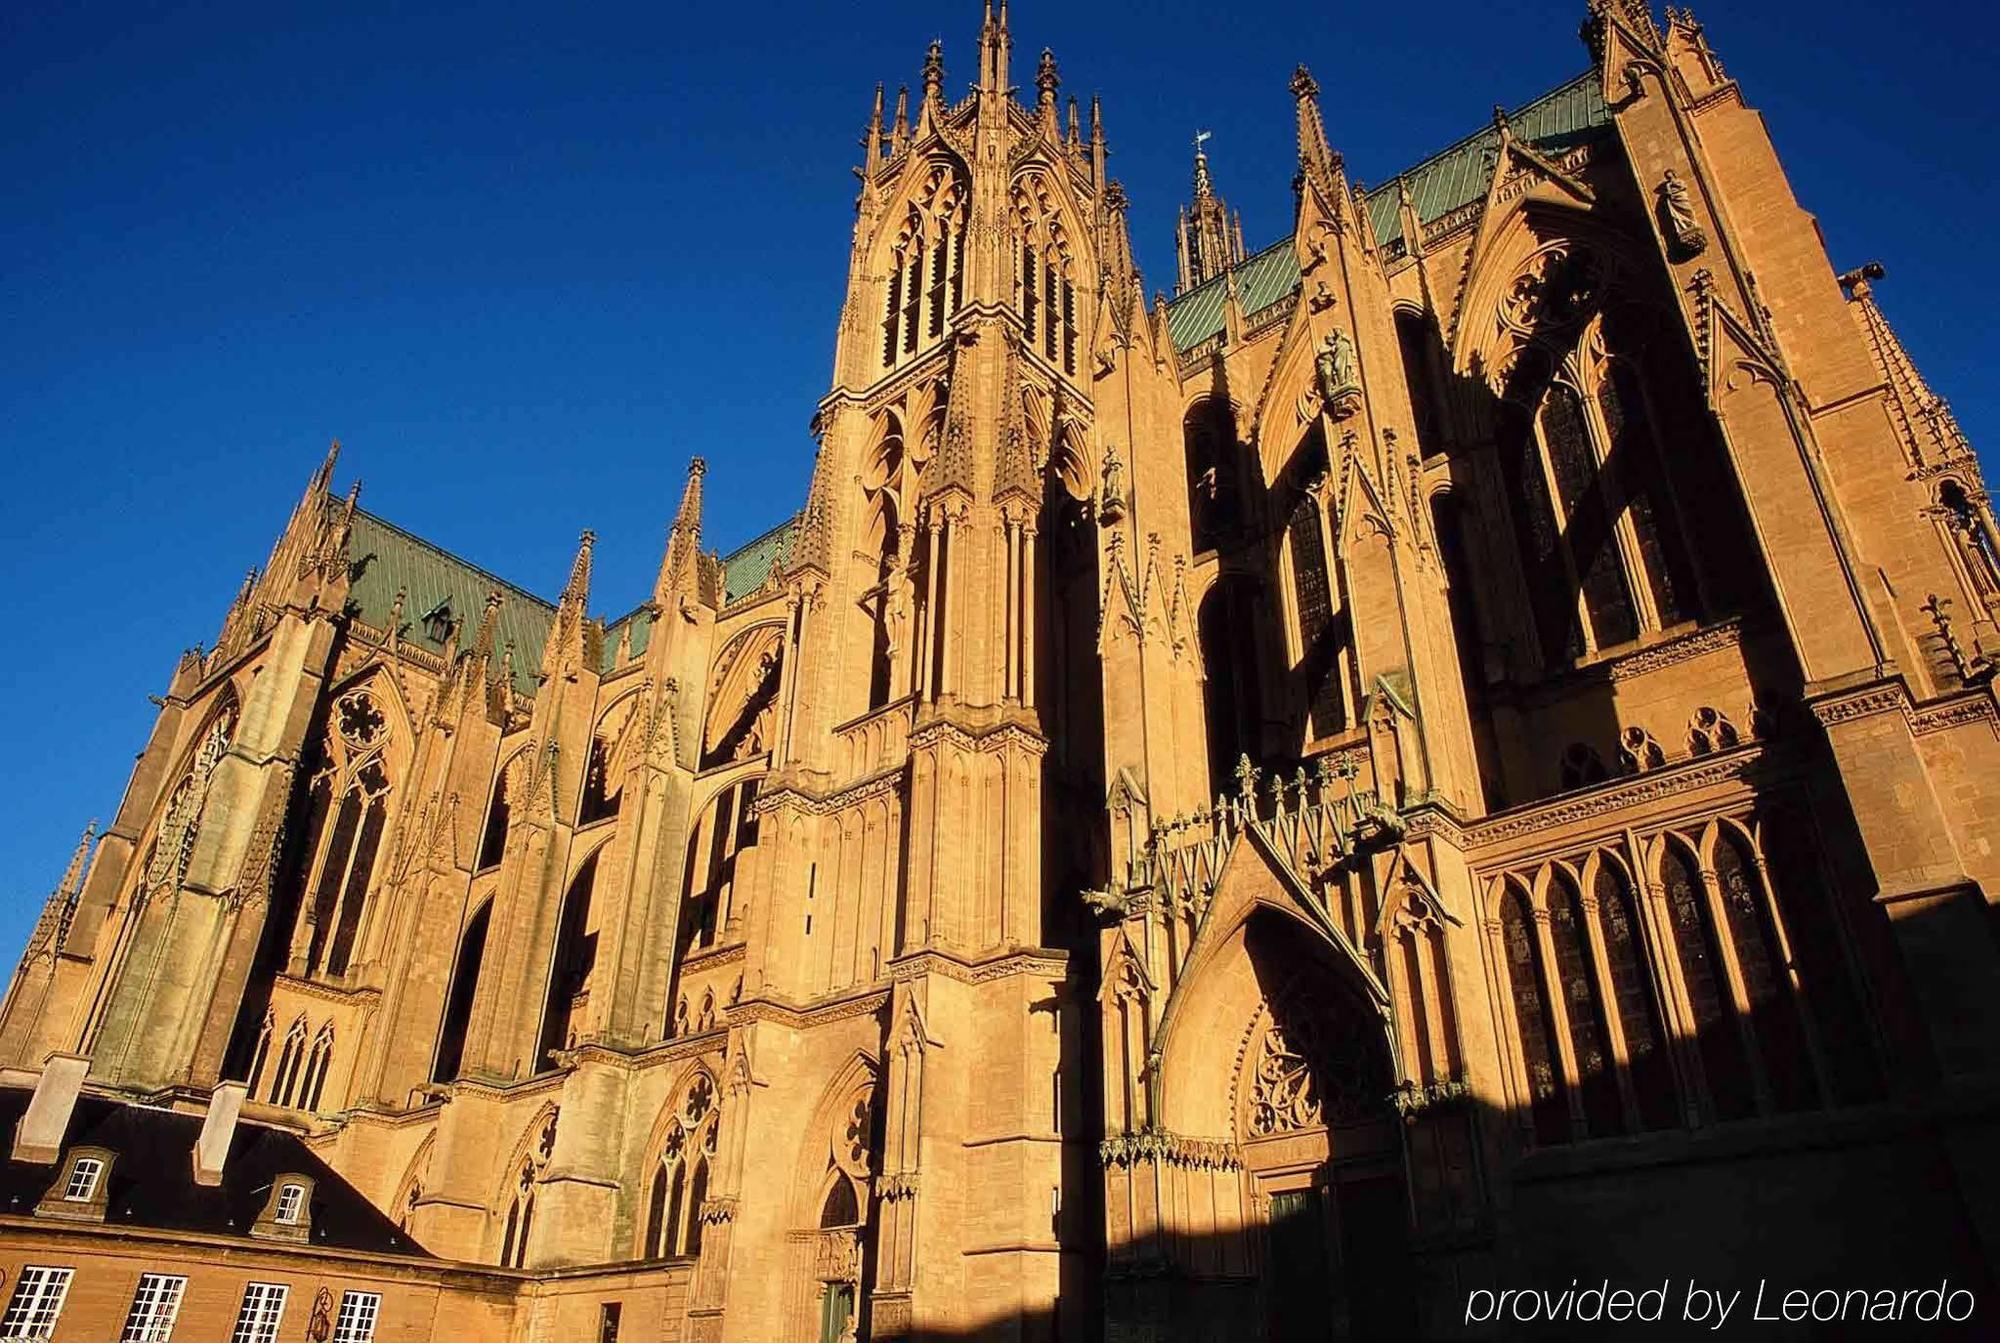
pixel 524 260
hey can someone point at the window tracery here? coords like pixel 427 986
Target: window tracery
pixel 926 266
pixel 1534 1024
pixel 1045 285
pixel 343 838
pixel 173 844
pixel 1316 1063
pixel 680 1180
pixel 1604 555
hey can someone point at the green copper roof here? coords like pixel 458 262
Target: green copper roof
pixel 383 559
pixel 745 571
pixel 1261 280
pixel 1552 124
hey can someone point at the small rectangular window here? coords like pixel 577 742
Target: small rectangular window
pixel 83 1178
pixel 291 1202
pixel 263 1309
pixel 358 1312
pixel 154 1308
pixel 608 1321
pixel 37 1301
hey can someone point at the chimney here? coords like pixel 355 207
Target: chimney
pixel 39 1135
pixel 217 1130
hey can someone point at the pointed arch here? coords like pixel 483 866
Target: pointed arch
pixel 1534 1022
pixel 1637 997
pixel 449 1060
pixel 574 957
pixel 1698 952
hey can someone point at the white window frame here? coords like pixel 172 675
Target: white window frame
pixel 37 1302
pixel 84 1174
pixel 359 1313
pixel 263 1310
pixel 291 1204
pixel 156 1304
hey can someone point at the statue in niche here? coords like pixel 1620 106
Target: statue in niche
pixel 1111 489
pixel 896 608
pixel 1339 381
pixel 1677 217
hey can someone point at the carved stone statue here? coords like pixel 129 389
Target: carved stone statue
pixel 1677 214
pixel 1339 381
pixel 896 610
pixel 1111 493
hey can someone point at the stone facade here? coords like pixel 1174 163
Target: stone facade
pixel 1371 777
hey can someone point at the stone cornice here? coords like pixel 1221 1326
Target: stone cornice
pixel 1737 767
pixel 1039 962
pixel 804 1018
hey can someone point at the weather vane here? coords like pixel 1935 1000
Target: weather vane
pixel 1201 138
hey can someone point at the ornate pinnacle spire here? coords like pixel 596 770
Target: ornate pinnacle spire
pixel 994 44
pixel 681 567
pixel 871 143
pixel 52 929
pixel 1930 431
pixel 934 72
pixel 577 590
pixel 1075 136
pixel 900 134
pixel 1047 81
pixel 1316 159
pixel 482 643
pixel 1204 186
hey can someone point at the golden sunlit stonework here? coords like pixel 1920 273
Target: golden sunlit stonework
pixel 1457 751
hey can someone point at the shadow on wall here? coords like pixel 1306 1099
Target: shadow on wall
pixel 1873 1203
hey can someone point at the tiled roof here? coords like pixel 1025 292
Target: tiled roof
pixel 383 558
pixel 1552 124
pixel 745 571
pixel 1261 280
pixel 152 1177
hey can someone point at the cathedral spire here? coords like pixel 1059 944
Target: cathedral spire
pixel 565 640
pixel 1930 430
pixel 53 927
pixel 1098 153
pixel 1048 83
pixel 899 136
pixel 934 77
pixel 1208 244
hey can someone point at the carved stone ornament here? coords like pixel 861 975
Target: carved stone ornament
pixel 1111 489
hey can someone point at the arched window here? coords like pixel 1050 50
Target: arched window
pixel 1699 952
pixel 173 845
pixel 493 841
pixel 1638 1003
pixel 1599 537
pixel 1968 526
pixel 841 1208
pixel 261 1054
pixel 312 1085
pixel 1588 1036
pixel 458 1003
pixel 599 799
pixel 724 830
pixel 1416 337
pixel 1319 620
pixel 680 1180
pixel 1535 1026
pixel 569 971
pixel 1827 981
pixel 344 864
pixel 1208 433
pixel 1774 1016
pixel 284 1082
pixel 1227 626
pixel 926 282
pixel 520 1220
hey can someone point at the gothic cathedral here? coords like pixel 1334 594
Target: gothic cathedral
pixel 1458 749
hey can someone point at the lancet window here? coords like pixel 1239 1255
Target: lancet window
pixel 1322 618
pixel 1534 1022
pixel 680 1182
pixel 1045 278
pixel 570 970
pixel 343 836
pixel 1760 987
pixel 926 267
pixel 458 1002
pixel 173 844
pixel 1593 513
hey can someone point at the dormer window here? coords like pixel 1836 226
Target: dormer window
pixel 438 621
pixel 83 1179
pixel 291 1205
